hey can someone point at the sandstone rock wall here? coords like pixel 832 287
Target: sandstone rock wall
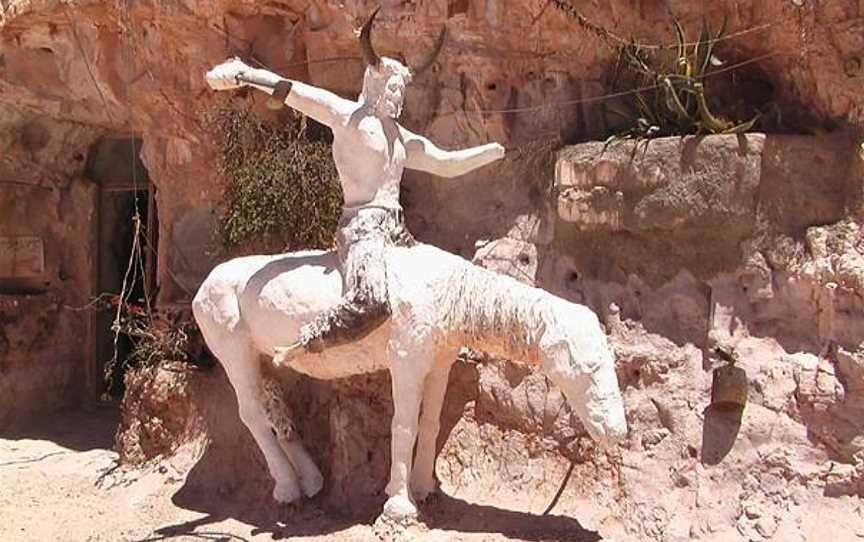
pixel 766 265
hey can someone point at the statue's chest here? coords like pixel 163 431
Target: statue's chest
pixel 371 146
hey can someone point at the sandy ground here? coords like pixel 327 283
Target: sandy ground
pixel 60 481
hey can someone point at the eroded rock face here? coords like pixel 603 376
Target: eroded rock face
pixel 158 412
pixel 674 184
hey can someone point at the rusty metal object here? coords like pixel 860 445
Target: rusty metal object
pixel 729 386
pixel 280 89
pixel 280 93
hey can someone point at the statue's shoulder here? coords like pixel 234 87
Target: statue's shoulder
pixel 423 256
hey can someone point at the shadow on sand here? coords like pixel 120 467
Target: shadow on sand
pixel 81 430
pixel 229 481
pixel 441 512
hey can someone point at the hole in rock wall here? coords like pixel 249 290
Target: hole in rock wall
pixel 124 190
pixel 456 7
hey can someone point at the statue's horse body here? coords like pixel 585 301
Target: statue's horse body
pixel 254 305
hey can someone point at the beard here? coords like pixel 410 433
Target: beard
pixel 390 107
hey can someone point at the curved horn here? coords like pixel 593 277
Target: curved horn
pixel 439 44
pixel 369 56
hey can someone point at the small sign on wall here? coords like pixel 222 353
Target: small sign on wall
pixel 22 257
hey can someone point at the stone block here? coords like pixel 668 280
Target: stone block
pixel 711 183
pixel 675 183
pixel 22 257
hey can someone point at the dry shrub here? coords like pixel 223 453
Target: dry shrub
pixel 282 185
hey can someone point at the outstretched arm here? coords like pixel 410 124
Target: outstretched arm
pixel 319 104
pixel 424 155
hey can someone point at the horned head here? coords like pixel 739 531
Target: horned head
pixel 385 79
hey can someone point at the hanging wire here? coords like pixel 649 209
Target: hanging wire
pixel 609 96
pixel 567 103
pixel 87 62
pixel 135 265
pixel 562 5
pixel 606 35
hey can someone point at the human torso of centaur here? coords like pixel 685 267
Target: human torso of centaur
pixel 369 153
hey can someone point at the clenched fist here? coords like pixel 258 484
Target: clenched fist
pixel 224 76
pixel 496 151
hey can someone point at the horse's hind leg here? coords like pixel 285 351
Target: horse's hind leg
pixel 245 375
pixel 282 425
pixel 218 319
pixel 311 479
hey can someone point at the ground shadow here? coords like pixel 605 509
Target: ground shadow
pixel 719 432
pixel 230 480
pixel 451 514
pixel 81 430
pixel 441 512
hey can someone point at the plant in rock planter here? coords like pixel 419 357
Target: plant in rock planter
pixel 672 96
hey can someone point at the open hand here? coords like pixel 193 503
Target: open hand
pixel 224 76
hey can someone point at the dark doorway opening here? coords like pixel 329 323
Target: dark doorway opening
pixel 125 265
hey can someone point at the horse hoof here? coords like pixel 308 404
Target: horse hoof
pixel 398 521
pixel 312 483
pixel 400 508
pixel 286 493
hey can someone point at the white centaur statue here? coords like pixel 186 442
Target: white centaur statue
pixel 407 307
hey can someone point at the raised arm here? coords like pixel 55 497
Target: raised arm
pixel 424 155
pixel 319 104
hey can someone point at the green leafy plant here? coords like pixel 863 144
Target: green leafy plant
pixel 282 186
pixel 672 96
pixel 669 83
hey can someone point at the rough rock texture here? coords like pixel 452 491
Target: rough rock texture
pixel 158 413
pixel 754 247
pixel 43 338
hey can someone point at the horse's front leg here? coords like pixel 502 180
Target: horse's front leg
pixel 409 364
pixel 423 474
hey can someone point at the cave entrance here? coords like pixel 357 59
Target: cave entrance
pixel 124 192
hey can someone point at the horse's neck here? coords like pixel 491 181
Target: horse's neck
pixel 497 314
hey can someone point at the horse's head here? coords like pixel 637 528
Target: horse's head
pixel 577 358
